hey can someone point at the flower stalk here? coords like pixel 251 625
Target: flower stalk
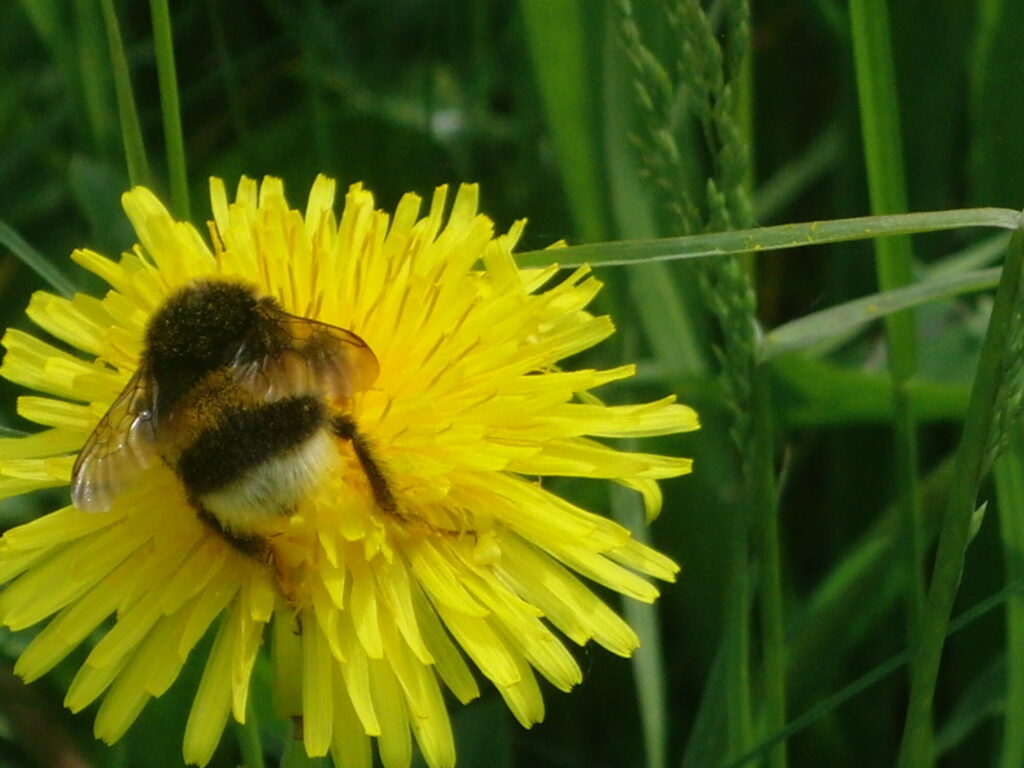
pixel 131 128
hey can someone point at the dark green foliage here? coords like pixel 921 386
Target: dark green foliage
pixel 594 140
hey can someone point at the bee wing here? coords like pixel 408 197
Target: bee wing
pixel 312 358
pixel 123 444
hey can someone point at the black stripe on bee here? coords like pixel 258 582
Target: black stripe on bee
pixel 249 544
pixel 245 439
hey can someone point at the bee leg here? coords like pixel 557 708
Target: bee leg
pixel 345 428
pixel 253 546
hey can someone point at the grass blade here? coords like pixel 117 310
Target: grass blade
pixel 131 129
pixel 1009 477
pixel 811 392
pixel 94 76
pixel 170 108
pixel 35 261
pixel 879 672
pixel 648 660
pixel 949 558
pixel 851 316
pixel 758 239
pixel 559 50
pixel 894 264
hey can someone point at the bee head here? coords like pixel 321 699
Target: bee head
pixel 203 327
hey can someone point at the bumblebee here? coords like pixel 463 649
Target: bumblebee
pixel 243 401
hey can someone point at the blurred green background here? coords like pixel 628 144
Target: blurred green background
pixel 533 100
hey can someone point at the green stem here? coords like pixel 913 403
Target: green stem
pixel 93 75
pixel 170 107
pixel 766 529
pixel 763 518
pixel 648 661
pixel 739 729
pixel 131 129
pixel 249 742
pixel 294 756
pixel 915 750
pixel 1009 476
pixel 894 263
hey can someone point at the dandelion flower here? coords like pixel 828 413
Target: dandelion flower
pixel 372 612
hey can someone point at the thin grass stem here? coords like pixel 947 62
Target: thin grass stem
pixel 894 264
pixel 92 73
pixel 37 262
pixel 766 528
pixel 294 756
pixel 736 637
pixel 249 743
pixel 1009 477
pixel 648 661
pixel 764 520
pixel 131 129
pixel 170 108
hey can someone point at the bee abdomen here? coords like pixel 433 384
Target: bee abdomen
pixel 245 439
